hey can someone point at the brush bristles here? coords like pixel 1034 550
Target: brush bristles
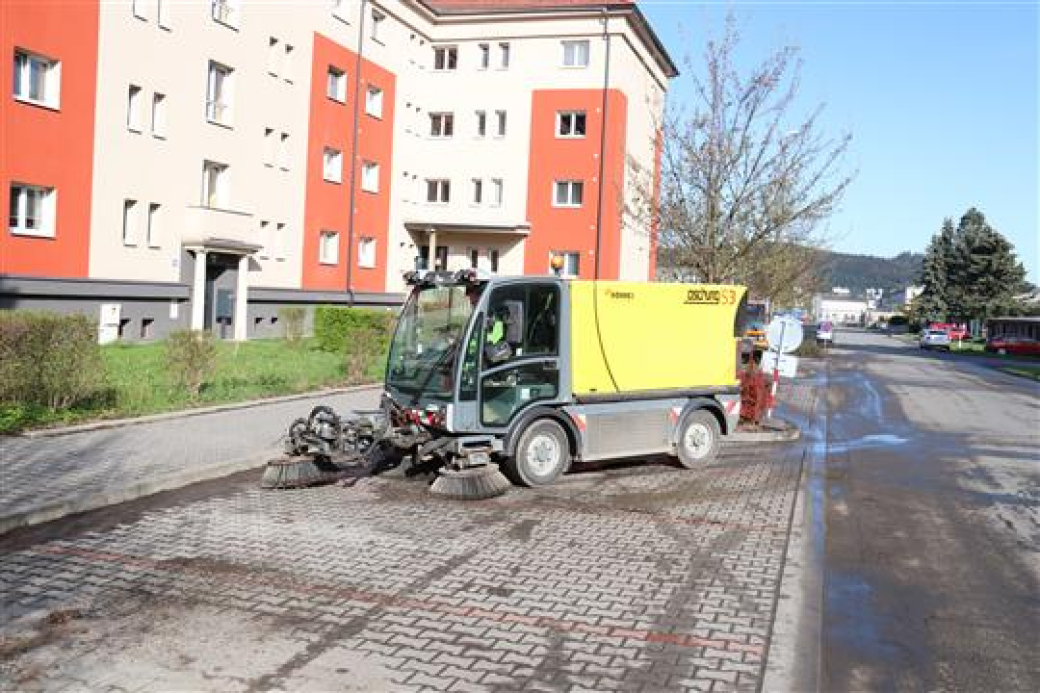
pixel 474 483
pixel 298 472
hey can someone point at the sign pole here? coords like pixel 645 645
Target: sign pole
pixel 776 373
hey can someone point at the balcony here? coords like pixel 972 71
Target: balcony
pixel 211 227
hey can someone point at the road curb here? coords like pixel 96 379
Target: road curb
pixel 60 509
pixel 185 413
pixel 780 431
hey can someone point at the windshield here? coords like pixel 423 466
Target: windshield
pixel 425 345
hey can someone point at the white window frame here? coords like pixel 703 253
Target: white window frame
pixel 225 12
pixel 328 247
pixel 215 189
pixel 376 31
pixel 270 146
pixel 445 58
pixel 339 10
pixel 569 186
pixel 265 239
pixel 440 189
pixel 367 252
pixel 130 222
pixel 370 176
pixel 137 7
pixel 332 165
pixel 25 62
pixel 279 242
pixel 500 124
pixel 442 125
pixel 274 55
pixel 219 105
pixel 374 101
pixel 504 55
pixel 154 225
pixel 163 13
pixel 484 62
pixel 283 151
pixel 159 115
pixel 133 108
pixel 481 124
pixel 572 118
pixel 336 84
pixel 568 256
pixel 19 212
pixel 478 191
pixel 576 53
pixel 497 190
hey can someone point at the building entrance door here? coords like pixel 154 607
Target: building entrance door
pixel 221 280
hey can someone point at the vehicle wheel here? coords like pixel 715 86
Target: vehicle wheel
pixel 698 440
pixel 542 454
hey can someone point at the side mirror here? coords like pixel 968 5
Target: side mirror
pixel 515 322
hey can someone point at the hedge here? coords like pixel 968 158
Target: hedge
pixel 337 327
pixel 48 360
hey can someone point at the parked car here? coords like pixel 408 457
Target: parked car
pixel 935 339
pixel 1013 345
pixel 825 333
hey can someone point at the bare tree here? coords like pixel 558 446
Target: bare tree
pixel 745 184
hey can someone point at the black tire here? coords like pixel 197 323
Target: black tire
pixel 697 442
pixel 542 454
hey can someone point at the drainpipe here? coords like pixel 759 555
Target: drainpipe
pixel 602 139
pixel 354 150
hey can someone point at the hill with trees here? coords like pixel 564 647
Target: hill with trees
pixel 861 272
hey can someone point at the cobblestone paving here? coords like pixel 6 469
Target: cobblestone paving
pixel 643 577
pixel 95 462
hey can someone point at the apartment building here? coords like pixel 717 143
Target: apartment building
pixel 202 164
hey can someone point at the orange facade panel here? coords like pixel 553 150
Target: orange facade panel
pixel 47 135
pixel 561 155
pixel 327 205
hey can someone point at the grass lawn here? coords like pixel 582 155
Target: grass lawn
pixel 137 381
pixel 1024 369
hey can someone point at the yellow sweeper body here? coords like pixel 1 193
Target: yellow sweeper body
pixel 632 337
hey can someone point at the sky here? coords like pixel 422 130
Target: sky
pixel 941 100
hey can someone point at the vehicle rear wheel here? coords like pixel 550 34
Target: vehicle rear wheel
pixel 698 440
pixel 542 454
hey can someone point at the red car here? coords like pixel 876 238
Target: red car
pixel 1013 345
pixel 955 331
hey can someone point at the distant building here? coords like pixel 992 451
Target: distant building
pixel 901 300
pixel 841 308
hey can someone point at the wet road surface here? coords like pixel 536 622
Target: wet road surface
pixel 932 539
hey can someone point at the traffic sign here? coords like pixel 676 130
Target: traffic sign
pixel 784 334
pixel 785 365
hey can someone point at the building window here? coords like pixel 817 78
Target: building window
pixel 269 146
pixel 570 124
pixel 367 253
pixel 481 123
pixel 138 9
pixel 214 185
pixel 32 210
pixel 571 262
pixel 474 258
pixel 37 79
pixel 133 109
pixel 129 222
pixel 159 115
pixel 503 56
pixel 496 192
pixel 226 12
pixel 478 191
pixel 164 13
pixel 279 241
pixel 218 93
pixel 332 165
pixel 445 57
pixel 265 239
pixel 152 232
pixel 339 10
pixel 442 124
pixel 485 55
pixel 328 248
pixel 370 176
pixel 576 53
pixel 287 64
pixel 336 88
pixel 493 259
pixel 374 102
pixel 500 119
pixel 146 327
pixel 274 54
pixel 568 193
pixel 438 190
pixel 377 25
pixel 283 151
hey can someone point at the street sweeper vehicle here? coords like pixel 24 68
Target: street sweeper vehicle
pixel 530 374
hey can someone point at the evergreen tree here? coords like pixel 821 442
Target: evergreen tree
pixel 983 275
pixel 934 303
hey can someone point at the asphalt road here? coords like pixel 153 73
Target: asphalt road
pixel 932 536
